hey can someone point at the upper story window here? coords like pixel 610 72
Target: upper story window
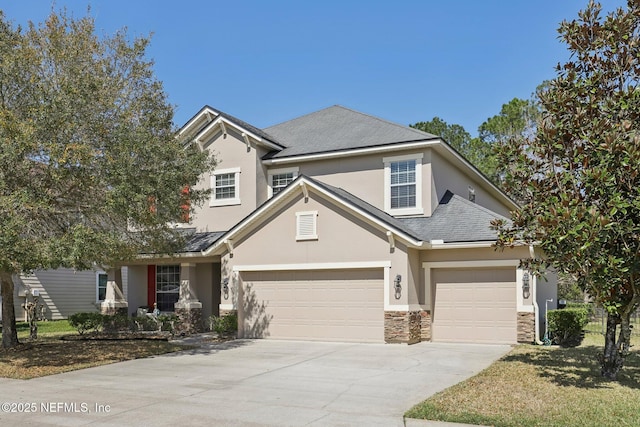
pixel 225 185
pixel 280 178
pixel 403 185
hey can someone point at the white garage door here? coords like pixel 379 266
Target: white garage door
pixel 330 305
pixel 475 305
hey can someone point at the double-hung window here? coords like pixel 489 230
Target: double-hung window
pixel 280 178
pixel 403 185
pixel 225 186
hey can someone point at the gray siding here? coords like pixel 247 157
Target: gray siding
pixel 62 291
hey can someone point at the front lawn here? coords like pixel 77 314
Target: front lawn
pixel 50 355
pixel 542 386
pixel 48 329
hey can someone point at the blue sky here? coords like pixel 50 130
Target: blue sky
pixel 266 62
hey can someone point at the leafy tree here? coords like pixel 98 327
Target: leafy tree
pixel 473 149
pixel 88 153
pixel 580 173
pixel 516 119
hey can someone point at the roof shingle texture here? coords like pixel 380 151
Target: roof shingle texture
pixel 338 128
pixel 455 220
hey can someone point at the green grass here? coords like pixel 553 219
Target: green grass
pixel 46 329
pixel 542 386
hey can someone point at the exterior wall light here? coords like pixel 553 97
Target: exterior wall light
pixel 225 288
pixel 396 286
pixel 526 288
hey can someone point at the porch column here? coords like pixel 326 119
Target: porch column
pixel 114 301
pixel 188 308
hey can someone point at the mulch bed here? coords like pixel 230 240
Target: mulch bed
pixel 118 336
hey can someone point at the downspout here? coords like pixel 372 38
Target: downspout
pixel 536 309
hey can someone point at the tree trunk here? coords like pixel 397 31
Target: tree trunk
pixel 9 331
pixel 612 359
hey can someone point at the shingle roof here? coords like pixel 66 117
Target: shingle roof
pixel 338 128
pixel 200 241
pixel 455 220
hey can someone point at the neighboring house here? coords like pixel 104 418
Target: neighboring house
pixel 62 292
pixel 341 226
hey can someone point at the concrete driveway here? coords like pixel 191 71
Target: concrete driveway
pixel 249 383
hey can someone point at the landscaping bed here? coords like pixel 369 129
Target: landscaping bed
pixel 119 336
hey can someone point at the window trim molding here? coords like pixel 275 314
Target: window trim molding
pixel 418 209
pixel 225 202
pixel 270 174
pixel 98 273
pixel 156 292
pixel 314 236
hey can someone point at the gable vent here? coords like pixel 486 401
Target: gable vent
pixel 306 225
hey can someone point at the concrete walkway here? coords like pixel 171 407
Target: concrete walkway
pixel 250 383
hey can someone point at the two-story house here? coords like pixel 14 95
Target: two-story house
pixel 341 226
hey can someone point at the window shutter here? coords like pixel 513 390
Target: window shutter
pixel 306 227
pixel 186 204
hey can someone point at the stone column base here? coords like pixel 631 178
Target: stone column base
pixel 112 308
pixel 189 317
pixel 402 327
pixel 526 327
pixel 425 326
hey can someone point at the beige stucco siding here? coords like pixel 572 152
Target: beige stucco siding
pixel 474 254
pixel 342 238
pixel 445 177
pixel 231 152
pixel 62 291
pixel 363 176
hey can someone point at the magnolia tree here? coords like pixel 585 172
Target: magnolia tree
pixel 91 171
pixel 578 177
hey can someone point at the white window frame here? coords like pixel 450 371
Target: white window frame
pixel 225 202
pixel 313 236
pixel 160 266
pixel 418 208
pixel 271 173
pixel 98 274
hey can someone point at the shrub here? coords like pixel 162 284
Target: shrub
pixel 224 326
pixel 144 323
pixel 167 322
pixel 115 323
pixel 565 326
pixel 85 321
pixel 583 305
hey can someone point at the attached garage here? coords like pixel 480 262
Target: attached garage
pixel 475 305
pixel 329 305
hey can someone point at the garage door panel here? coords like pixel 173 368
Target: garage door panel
pixel 475 305
pixel 320 305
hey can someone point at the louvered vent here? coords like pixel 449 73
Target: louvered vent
pixel 306 225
